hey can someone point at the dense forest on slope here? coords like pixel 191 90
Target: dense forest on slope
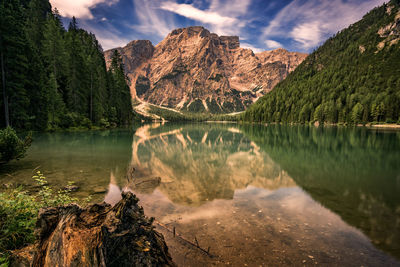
pixel 353 78
pixel 56 78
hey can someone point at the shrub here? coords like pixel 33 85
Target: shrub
pixel 85 122
pixel 11 146
pixel 104 123
pixel 19 210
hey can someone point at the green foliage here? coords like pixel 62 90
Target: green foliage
pixel 11 146
pixel 347 80
pixel 104 123
pixel 120 110
pixel 196 106
pixel 46 196
pixel 170 115
pixel 176 116
pixel 50 72
pixel 19 210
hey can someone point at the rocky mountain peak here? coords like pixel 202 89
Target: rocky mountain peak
pixel 195 70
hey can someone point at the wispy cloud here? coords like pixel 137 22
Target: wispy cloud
pixel 261 24
pixel 108 36
pixel 78 8
pixel 152 19
pixel 310 22
pixel 210 17
pixel 221 17
pixel 272 44
pixel 232 8
pixel 109 41
pixel 249 46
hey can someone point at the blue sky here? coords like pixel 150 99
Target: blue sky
pixel 297 25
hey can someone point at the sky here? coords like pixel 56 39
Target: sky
pixel 296 25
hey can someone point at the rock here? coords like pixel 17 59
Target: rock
pixel 71 188
pixel 99 190
pixel 7 186
pixel 391 32
pixel 146 184
pixel 99 235
pixel 195 70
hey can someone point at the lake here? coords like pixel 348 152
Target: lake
pixel 247 195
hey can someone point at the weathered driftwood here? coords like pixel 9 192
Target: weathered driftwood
pixel 100 235
pixel 173 231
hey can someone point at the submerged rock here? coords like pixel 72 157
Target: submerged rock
pixel 99 235
pixel 71 188
pixel 146 184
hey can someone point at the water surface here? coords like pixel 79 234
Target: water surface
pixel 255 195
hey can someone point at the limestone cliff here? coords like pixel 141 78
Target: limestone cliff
pixel 195 70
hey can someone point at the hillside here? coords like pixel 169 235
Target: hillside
pixel 354 77
pixel 197 71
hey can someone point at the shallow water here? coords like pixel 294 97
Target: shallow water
pixel 255 195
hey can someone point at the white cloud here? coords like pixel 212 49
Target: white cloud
pixel 249 46
pixel 78 8
pixel 232 8
pixel 158 17
pixel 108 36
pixel 153 20
pixel 222 17
pixel 108 41
pixel 191 12
pixel 311 22
pixel 272 44
pixel 308 34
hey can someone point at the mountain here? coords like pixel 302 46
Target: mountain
pixel 198 71
pixel 201 163
pixel 354 77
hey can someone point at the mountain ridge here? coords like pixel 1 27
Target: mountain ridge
pixel 195 70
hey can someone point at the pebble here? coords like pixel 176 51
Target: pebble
pixel 99 190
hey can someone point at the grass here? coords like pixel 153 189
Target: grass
pixel 19 210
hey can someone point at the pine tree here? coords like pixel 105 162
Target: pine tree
pixel 14 63
pixel 54 56
pixel 66 82
pixel 120 98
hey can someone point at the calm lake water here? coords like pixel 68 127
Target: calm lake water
pixel 250 195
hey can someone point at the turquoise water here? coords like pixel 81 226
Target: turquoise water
pixel 256 195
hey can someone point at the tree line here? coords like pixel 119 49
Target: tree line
pixel 348 80
pixel 52 77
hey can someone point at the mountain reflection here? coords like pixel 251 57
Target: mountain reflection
pixel 197 163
